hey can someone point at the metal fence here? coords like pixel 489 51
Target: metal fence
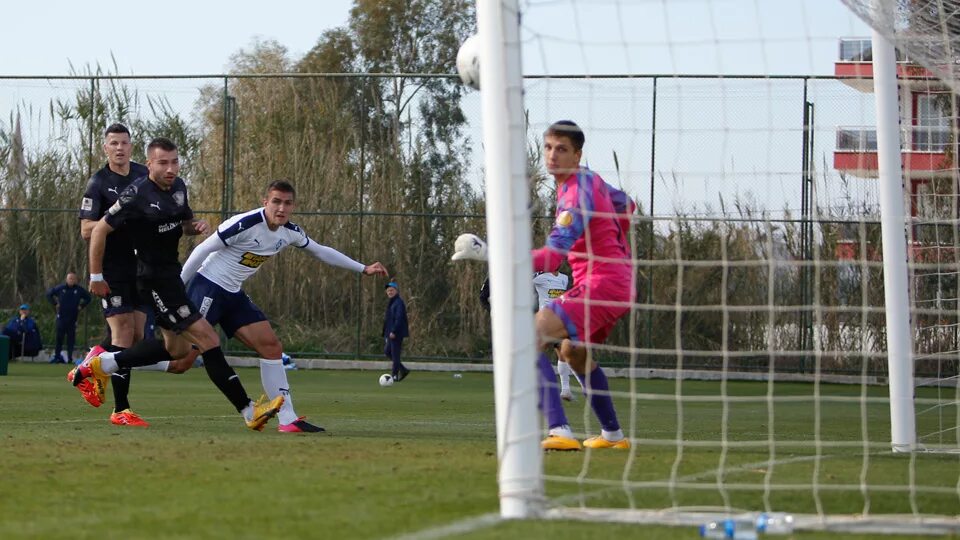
pixel 693 146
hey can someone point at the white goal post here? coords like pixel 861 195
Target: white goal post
pixel 508 228
pixel 895 285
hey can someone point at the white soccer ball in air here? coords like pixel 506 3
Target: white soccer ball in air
pixel 468 62
pixel 386 380
pixel 469 246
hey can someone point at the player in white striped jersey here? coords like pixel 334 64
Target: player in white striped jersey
pixel 217 268
pixel 548 286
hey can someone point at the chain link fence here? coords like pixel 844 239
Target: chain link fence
pixel 387 172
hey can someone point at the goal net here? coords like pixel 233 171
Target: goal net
pixel 793 345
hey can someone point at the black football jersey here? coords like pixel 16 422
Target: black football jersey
pixel 103 190
pixel 154 218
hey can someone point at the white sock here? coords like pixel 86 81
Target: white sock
pixel 612 436
pixel 564 370
pixel 562 431
pixel 274 379
pixel 107 363
pixel 159 366
pixel 247 412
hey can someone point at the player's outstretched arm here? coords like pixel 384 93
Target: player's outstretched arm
pixel 332 256
pixel 199 254
pixel 195 227
pixel 375 269
pixel 469 246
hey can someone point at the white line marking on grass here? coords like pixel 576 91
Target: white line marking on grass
pixel 489 425
pixel 99 420
pixel 456 528
pixel 333 421
pixel 583 496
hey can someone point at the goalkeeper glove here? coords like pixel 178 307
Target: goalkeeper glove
pixel 469 246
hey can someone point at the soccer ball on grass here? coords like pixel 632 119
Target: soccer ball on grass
pixel 386 380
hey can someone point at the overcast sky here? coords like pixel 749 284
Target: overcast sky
pixel 43 37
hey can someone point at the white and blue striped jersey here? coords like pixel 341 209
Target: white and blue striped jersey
pixel 248 243
pixel 549 286
pixel 244 242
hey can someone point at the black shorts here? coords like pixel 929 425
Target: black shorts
pixel 173 309
pixel 123 298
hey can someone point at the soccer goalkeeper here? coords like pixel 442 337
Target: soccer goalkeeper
pixel 591 231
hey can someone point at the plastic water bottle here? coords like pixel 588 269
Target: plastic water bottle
pixel 714 529
pixel 748 527
pixel 775 523
pixel 739 528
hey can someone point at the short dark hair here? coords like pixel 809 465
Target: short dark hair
pixel 283 186
pixel 162 143
pixel 116 128
pixel 569 129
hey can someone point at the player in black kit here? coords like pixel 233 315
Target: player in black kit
pixel 156 213
pixel 124 311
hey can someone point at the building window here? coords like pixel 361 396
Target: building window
pixel 853 139
pixel 856 50
pixel 931 130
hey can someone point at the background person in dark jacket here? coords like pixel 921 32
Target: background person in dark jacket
pixel 395 329
pixel 23 333
pixel 68 299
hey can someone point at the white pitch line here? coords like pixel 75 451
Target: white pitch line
pixel 332 421
pixel 574 497
pixel 98 420
pixel 456 528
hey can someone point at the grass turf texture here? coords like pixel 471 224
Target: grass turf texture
pixel 401 460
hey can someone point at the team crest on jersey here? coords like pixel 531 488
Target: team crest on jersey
pixel 252 260
pixel 278 246
pixel 565 218
pixel 128 194
pixel 86 204
pixel 179 197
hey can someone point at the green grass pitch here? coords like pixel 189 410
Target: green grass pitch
pixel 401 461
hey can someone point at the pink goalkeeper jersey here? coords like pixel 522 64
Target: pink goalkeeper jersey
pixel 592 222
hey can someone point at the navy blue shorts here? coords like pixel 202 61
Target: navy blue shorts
pixel 232 311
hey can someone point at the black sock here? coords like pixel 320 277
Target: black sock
pixel 225 378
pixel 144 353
pixel 121 384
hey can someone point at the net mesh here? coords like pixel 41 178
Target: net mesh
pixel 752 368
pixel 925 32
